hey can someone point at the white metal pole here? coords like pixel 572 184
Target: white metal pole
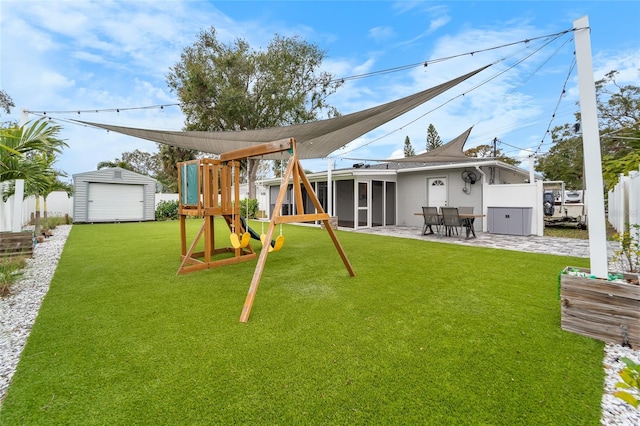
pixel 18 194
pixel 329 189
pixel 24 116
pixel 591 147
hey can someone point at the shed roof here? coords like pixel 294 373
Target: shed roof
pixel 110 170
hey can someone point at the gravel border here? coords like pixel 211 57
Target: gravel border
pixel 18 312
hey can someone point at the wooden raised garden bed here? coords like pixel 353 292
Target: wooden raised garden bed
pixel 601 309
pixel 14 244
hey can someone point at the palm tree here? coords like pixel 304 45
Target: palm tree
pixel 56 185
pixel 40 179
pixel 115 163
pixel 18 144
pixel 28 152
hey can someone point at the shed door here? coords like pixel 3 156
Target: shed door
pixel 115 202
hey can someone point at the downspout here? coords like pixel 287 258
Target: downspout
pixel 484 187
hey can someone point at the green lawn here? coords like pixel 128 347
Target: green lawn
pixel 425 333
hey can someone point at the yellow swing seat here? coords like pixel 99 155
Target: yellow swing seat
pixel 276 246
pixel 237 242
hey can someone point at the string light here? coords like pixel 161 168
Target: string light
pixel 546 43
pixel 547 40
pixel 340 80
pixel 553 116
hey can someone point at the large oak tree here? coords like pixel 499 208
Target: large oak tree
pixel 232 86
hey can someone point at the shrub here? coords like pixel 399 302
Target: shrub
pixel 629 253
pixel 248 208
pixel 167 210
pixel 54 221
pixel 631 381
pixel 10 272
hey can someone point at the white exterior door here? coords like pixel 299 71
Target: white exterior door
pixel 437 192
pixel 115 202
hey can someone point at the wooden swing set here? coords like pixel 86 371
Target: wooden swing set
pixel 206 188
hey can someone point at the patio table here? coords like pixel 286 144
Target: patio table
pixel 471 217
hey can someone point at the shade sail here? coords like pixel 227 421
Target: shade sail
pixel 315 139
pixel 449 152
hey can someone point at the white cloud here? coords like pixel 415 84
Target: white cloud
pixel 381 33
pixel 89 54
pixel 438 23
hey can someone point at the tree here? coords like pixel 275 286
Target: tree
pixel 55 184
pixel 486 151
pixel 169 156
pixel 433 139
pixel 40 180
pixel 6 103
pixel 20 146
pixel 115 163
pixel 225 87
pixel 619 123
pixel 408 148
pixel 565 159
pixel 143 162
pixel 137 161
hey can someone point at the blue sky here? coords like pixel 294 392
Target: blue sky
pixel 96 55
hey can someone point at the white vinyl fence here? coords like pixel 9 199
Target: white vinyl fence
pixel 58 204
pixel 624 202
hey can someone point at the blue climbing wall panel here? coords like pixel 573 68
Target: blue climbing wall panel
pixel 189 177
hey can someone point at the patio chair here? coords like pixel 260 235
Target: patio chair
pixel 451 220
pixel 431 219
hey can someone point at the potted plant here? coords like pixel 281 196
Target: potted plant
pixel 605 309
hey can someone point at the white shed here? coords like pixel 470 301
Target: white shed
pixel 113 195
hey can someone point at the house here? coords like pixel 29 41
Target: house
pixel 392 193
pixel 113 195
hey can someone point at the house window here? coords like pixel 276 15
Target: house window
pixel 117 174
pixel 437 182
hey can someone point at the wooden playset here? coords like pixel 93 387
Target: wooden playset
pixel 211 187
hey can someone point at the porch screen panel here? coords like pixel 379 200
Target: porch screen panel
pixel 390 203
pixel 377 203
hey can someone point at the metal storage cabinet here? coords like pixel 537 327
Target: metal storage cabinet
pixel 509 220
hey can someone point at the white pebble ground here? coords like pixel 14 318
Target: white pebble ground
pixel 18 313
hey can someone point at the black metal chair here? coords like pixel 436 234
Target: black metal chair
pixel 451 220
pixel 431 219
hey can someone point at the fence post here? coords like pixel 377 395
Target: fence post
pixel 18 196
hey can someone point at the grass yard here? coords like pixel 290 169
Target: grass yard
pixel 426 333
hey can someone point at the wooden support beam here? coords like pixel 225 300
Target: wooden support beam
pixel 262 259
pixel 309 217
pixel 297 192
pixel 327 225
pixel 187 256
pixel 258 150
pixel 295 168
